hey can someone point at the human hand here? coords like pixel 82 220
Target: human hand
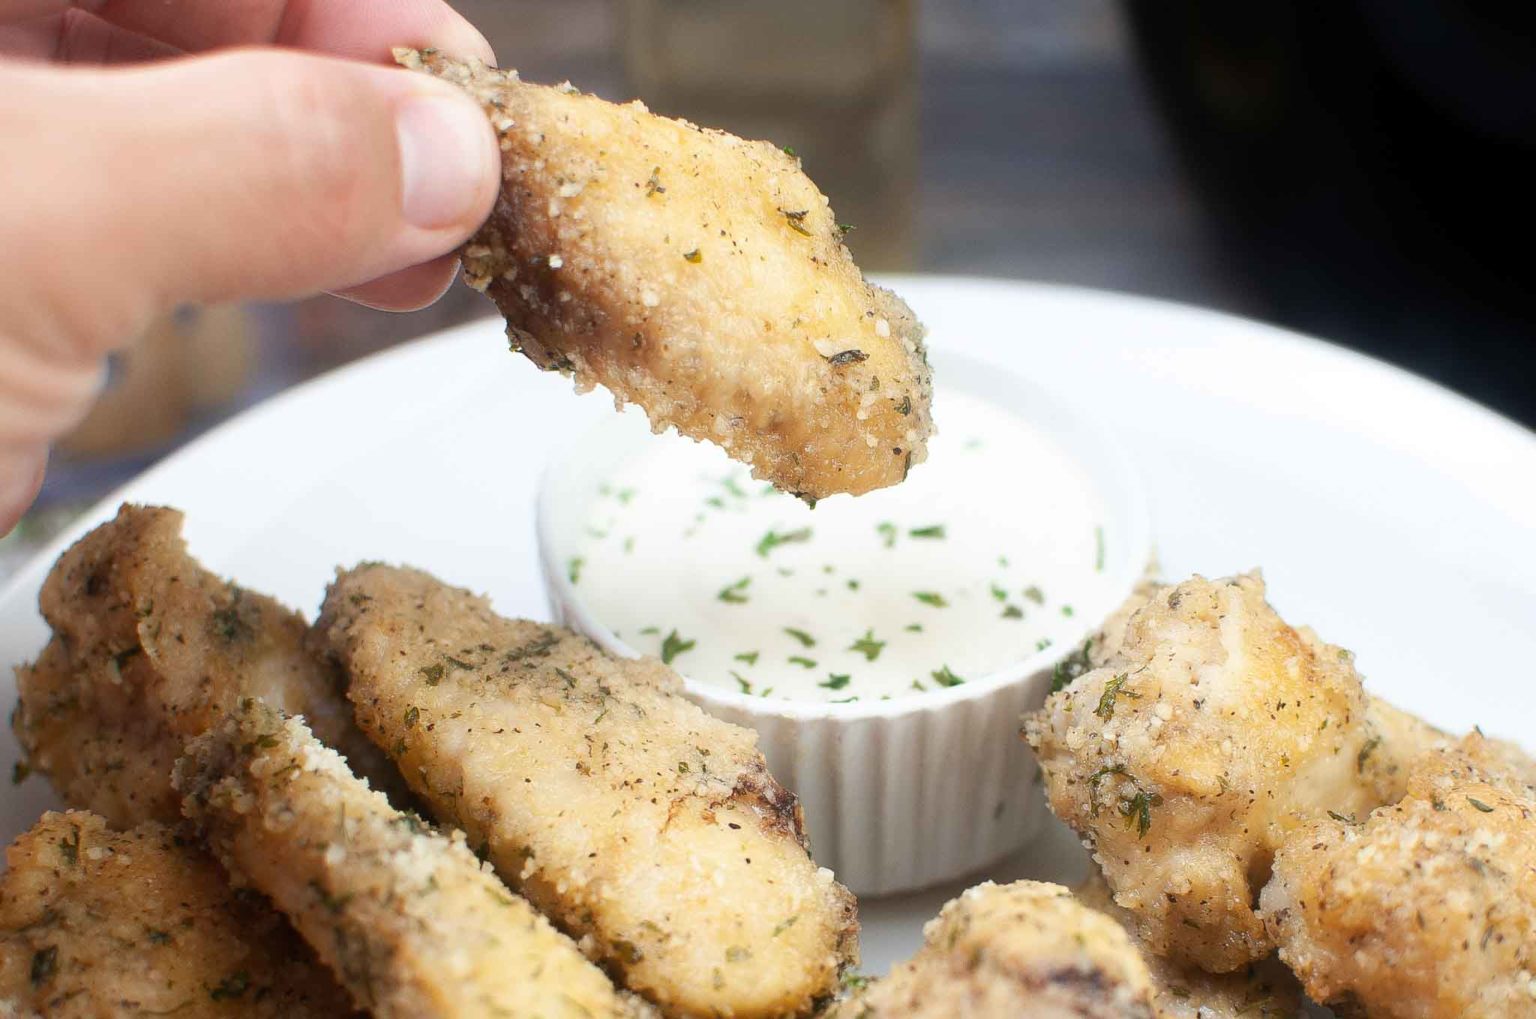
pixel 143 177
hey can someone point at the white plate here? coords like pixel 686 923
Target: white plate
pixel 1396 518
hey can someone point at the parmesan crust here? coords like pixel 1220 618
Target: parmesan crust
pixel 1426 909
pixel 1261 990
pixel 411 923
pixel 97 923
pixel 148 650
pixel 1005 951
pixel 698 275
pixel 1211 731
pixel 642 826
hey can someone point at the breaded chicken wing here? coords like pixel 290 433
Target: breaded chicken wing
pixel 1208 734
pixel 700 276
pixel 413 925
pixel 1006 951
pixel 148 650
pixel 648 830
pixel 1262 990
pixel 1424 910
pixel 96 923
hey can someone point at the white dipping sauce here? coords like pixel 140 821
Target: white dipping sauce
pixel 972 564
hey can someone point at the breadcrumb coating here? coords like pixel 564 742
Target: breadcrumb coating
pixel 1004 951
pixel 698 275
pixel 645 828
pixel 1208 734
pixel 97 923
pixel 410 922
pixel 148 650
pixel 1427 908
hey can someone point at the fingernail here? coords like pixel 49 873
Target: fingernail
pixel 445 156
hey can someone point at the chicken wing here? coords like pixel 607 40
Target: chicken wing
pixel 646 829
pixel 1004 951
pixel 698 275
pixel 98 923
pixel 1424 910
pixel 1261 990
pixel 1211 731
pixel 413 925
pixel 148 650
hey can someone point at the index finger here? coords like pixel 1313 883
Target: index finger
pixel 358 29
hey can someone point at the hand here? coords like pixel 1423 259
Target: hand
pixel 168 178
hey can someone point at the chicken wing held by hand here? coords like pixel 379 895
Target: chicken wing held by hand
pixel 700 276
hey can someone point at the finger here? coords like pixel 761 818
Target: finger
pixel 260 175
pixel 21 476
pixel 407 290
pixel 349 28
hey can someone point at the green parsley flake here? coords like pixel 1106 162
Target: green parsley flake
pixel 741 681
pixel 573 569
pixel 773 539
pixel 999 593
pixel 805 639
pixel 806 663
pixel 673 645
pixel 944 677
pixel 1013 612
pixel 887 532
pixel 835 681
pixel 868 646
pixel 931 598
pixel 735 594
pixel 1034 594
pixel 913 628
pixel 931 531
pixel 750 657
pixel 1113 689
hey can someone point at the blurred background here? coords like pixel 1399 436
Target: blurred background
pixel 1361 171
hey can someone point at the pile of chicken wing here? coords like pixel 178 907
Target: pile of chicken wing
pixel 244 838
pixel 244 835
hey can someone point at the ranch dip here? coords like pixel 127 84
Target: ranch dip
pixel 971 565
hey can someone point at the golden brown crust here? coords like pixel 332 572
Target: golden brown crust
pixel 1211 731
pixel 1425 910
pixel 700 276
pixel 150 649
pixel 645 828
pixel 1004 951
pixel 408 919
pixel 95 923
pixel 1261 990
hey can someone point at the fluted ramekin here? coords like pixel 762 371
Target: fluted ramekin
pixel 913 791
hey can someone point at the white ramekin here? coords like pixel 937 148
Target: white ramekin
pixel 904 793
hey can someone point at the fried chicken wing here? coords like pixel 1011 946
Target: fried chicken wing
pixel 1424 910
pixel 148 650
pixel 645 828
pixel 1004 951
pixel 700 276
pixel 96 923
pixel 1262 990
pixel 413 925
pixel 1208 734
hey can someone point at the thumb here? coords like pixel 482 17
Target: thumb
pixel 249 174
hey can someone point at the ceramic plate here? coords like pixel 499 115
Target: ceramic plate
pixel 1396 518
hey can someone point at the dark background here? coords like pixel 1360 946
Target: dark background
pixel 1359 170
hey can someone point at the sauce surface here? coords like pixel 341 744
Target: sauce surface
pixel 975 562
